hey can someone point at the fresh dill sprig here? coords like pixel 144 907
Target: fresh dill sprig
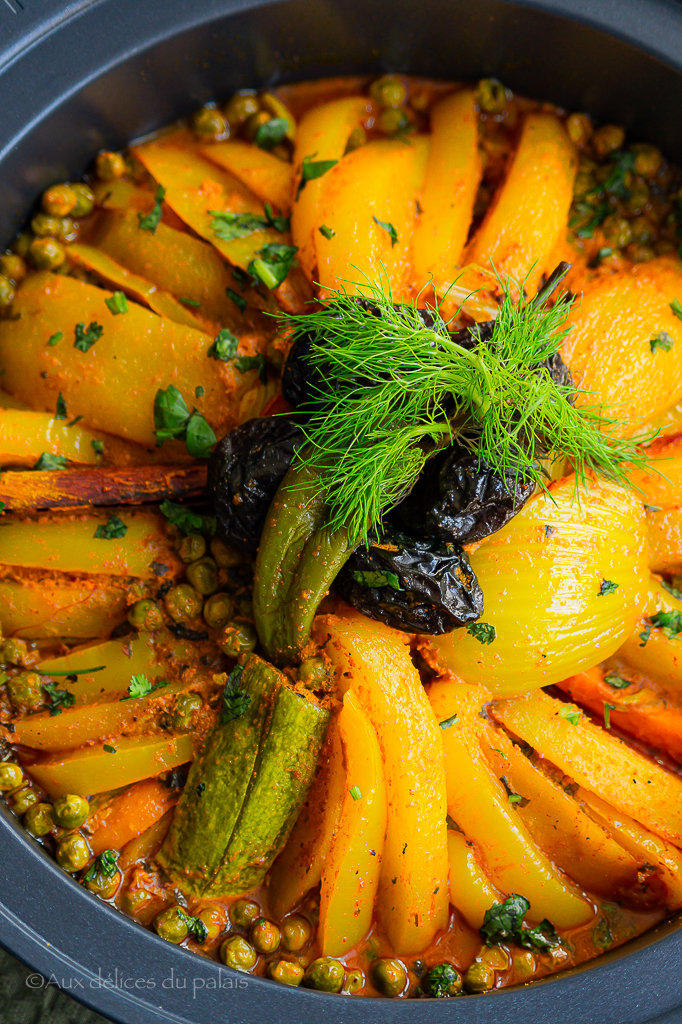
pixel 392 392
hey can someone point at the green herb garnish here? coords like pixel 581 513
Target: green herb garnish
pixel 73 422
pixel 52 462
pixel 617 682
pixel 377 579
pixel 621 164
pixel 607 587
pixel 239 302
pixel 55 338
pixel 229 226
pixel 141 687
pixel 271 133
pixel 387 226
pixel 112 529
pixel 312 169
pixel 75 672
pixel 117 304
pixel 608 708
pixel 105 863
pixel 199 391
pixel 235 701
pixel 356 793
pixel 676 307
pixel 186 520
pixel 190 302
pixel 280 224
pixel 86 338
pixel 108 749
pixel 326 232
pixel 59 699
pixel 224 346
pixel 572 715
pixel 673 591
pixel 97 447
pixel 663 341
pixel 60 413
pixel 645 634
pixel 259 362
pixel 173 420
pixel 504 923
pixel 589 216
pixel 447 722
pixel 669 622
pixel 484 632
pixel 272 263
pixel 150 221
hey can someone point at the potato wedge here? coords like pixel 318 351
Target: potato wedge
pixel 471 891
pixel 268 177
pixel 35 607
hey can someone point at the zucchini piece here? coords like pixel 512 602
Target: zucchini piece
pixel 246 789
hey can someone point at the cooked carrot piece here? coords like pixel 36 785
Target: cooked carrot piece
pixel 453 171
pixel 32 607
pixel 113 384
pixel 67 543
pixel 542 578
pixel 665 539
pixel 613 327
pixel 96 770
pixel 571 838
pixel 528 215
pixel 412 902
pixel 351 870
pixel 638 710
pixel 643 845
pixel 322 135
pixel 370 203
pixel 147 844
pixel 128 815
pixel 268 177
pixel 598 761
pixel 471 891
pixel 478 803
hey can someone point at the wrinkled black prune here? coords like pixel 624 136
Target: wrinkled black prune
pixel 301 380
pixel 454 500
pixel 244 472
pixel 417 585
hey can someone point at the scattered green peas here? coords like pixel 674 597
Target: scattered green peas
pixel 214 920
pixel 15 652
pixel 6 291
pixel 225 556
pixel 209 123
pixel 22 799
pixel 393 120
pixel 171 925
pixel 218 610
pixel 103 885
pixel 11 776
pixel 38 819
pixel 579 128
pixel 109 166
pixel 265 935
pixel 325 974
pixel 185 706
pixel 244 912
pixel 192 547
pixel 355 980
pixel 145 615
pixel 203 575
pixel 491 96
pixel 26 691
pixel 617 231
pixel 70 810
pixel 648 159
pixel 296 932
pixel 85 199
pixel 389 976
pixel 241 107
pixel 135 900
pixel 238 638
pixel 183 603
pixel 59 200
pixel 237 953
pixel 313 673
pixel 13 267
pixel 479 978
pixel 607 139
pixel 73 853
pixel 389 91
pixel 46 253
pixel 286 972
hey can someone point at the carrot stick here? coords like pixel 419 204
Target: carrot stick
pixel 129 814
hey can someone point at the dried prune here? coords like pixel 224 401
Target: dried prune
pixel 417 585
pixel 244 472
pixel 455 500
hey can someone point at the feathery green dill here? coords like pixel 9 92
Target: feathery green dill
pixel 394 391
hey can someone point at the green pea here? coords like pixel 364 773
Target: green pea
pixel 244 912
pixel 192 547
pixel 109 166
pixel 46 253
pixel 218 610
pixel 135 899
pixel 38 819
pixel 210 124
pixel 11 776
pixel 185 706
pixel 286 972
pixel 6 291
pixel 183 603
pixel 73 852
pixel 479 978
pixel 104 886
pixel 22 799
pixel 491 96
pixel 265 935
pixel 15 652
pixel 171 925
pixel 643 230
pixel 607 139
pixel 389 91
pixel 241 107
pixel 617 231
pixel 296 932
pixel 237 953
pixel 145 615
pixel 393 120
pixel 70 810
pixel 85 199
pixel 13 267
pixel 325 974
pixel 389 976
pixel 26 691
pixel 648 159
pixel 238 638
pixel 214 920
pixel 43 225
pixel 355 980
pixel 203 575
pixel 225 556
pixel 313 673
pixel 579 128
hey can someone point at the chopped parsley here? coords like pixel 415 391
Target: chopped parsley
pixel 150 221
pixel 326 232
pixel 272 263
pixel 312 169
pixel 676 307
pixel 173 420
pixel 441 982
pixel 73 422
pixel 280 224
pixel 199 391
pixel 105 863
pixel 673 591
pixel 55 338
pixel 482 631
pixel 195 926
pixel 86 338
pixel 259 362
pixel 377 579
pixel 504 923
pixel 228 226
pixel 608 708
pixel 271 133
pixel 645 634
pixel 98 447
pixel 117 304
pixel 356 793
pixel 108 749
pixel 617 682
pixel 186 520
pixel 669 622
pixel 239 302
pixel 616 183
pixel 224 346
pixel 607 587
pixel 190 302
pixel 141 687
pixel 58 699
pixel 235 701
pixel 447 722
pixel 60 413
pixel 387 226
pixel 52 462
pixel 601 935
pixel 200 788
pixel 589 216
pixel 663 341
pixel 112 529
pixel 572 715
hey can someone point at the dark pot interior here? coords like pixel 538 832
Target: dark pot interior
pixel 77 76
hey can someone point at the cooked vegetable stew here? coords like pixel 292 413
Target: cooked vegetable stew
pixel 341 436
